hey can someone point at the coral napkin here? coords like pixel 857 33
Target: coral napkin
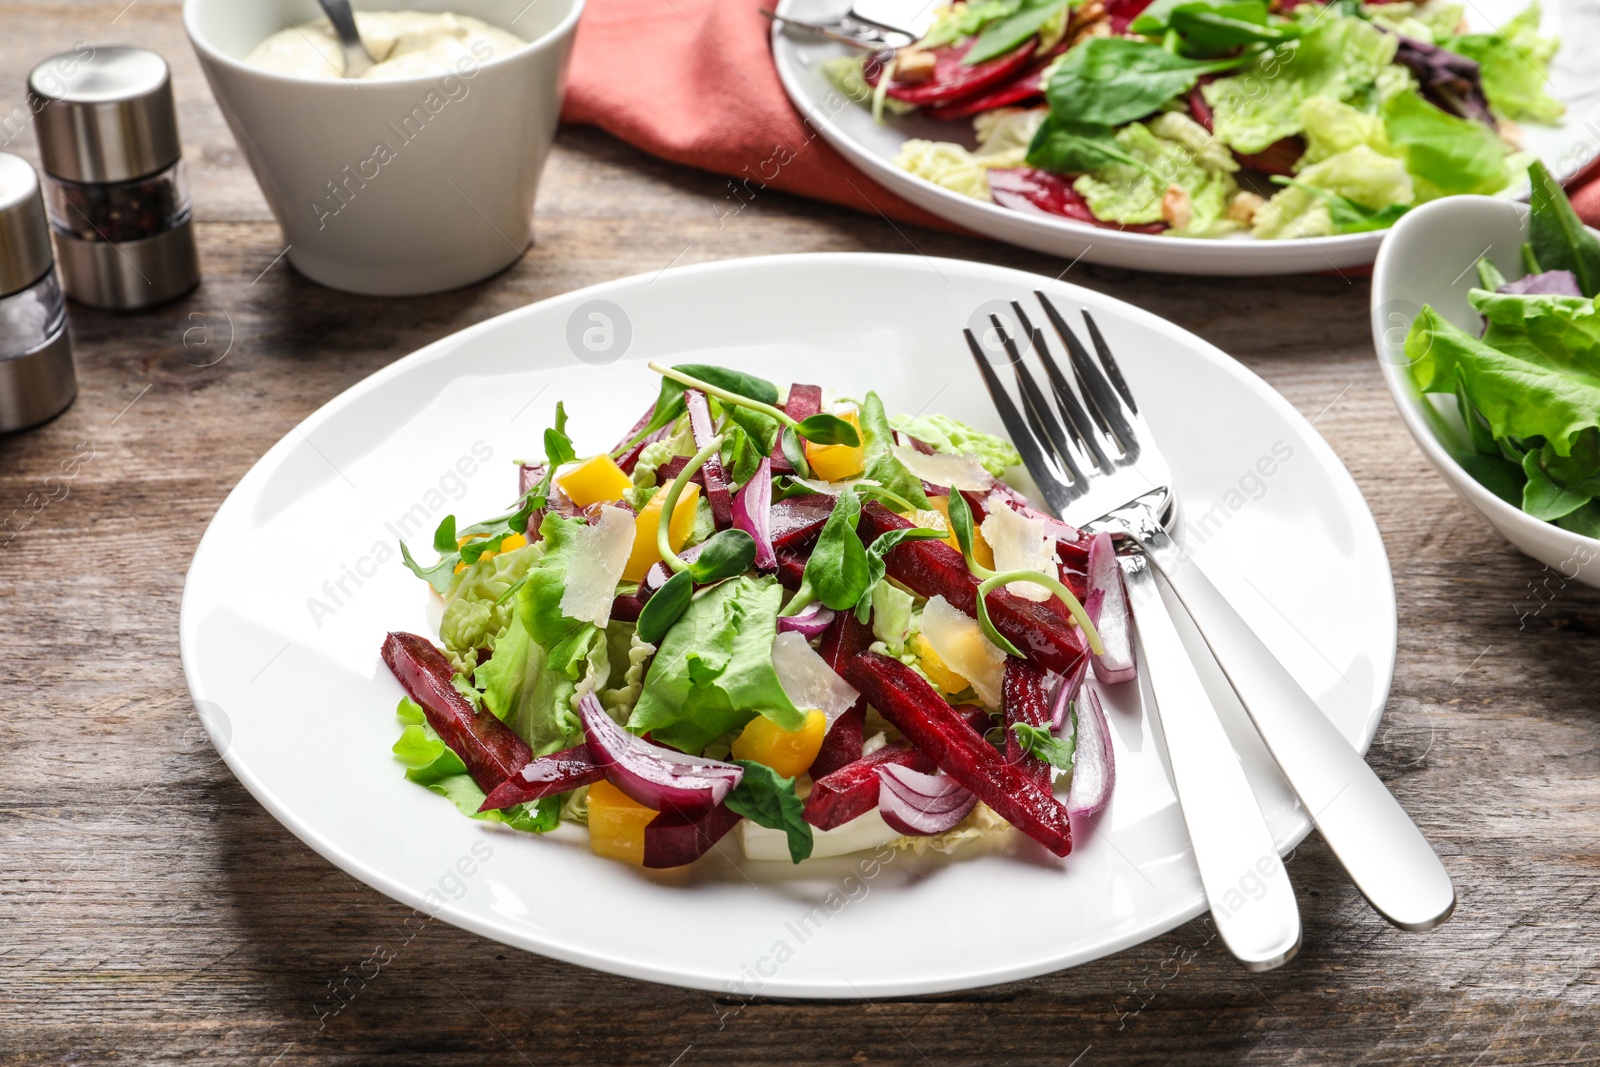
pixel 692 81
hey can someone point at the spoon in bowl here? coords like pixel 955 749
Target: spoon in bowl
pixel 356 57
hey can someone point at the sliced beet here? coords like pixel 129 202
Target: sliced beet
pixel 1123 12
pixel 672 840
pixel 546 776
pixel 803 402
pixel 952 79
pixel 712 476
pixel 627 608
pixel 905 698
pixel 1041 192
pixel 1025 698
pixel 1200 108
pixel 798 517
pixel 933 568
pixel 845 638
pixel 852 790
pixel 491 752
pixel 1279 157
pixel 631 456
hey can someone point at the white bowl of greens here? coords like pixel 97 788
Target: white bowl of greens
pixel 1488 330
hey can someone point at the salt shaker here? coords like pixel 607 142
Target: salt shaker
pixel 119 205
pixel 36 376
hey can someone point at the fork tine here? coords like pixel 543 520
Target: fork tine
pixel 1072 411
pixel 1098 393
pixel 1113 371
pixel 1035 456
pixel 1045 425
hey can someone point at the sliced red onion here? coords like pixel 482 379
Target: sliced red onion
pixel 712 475
pixel 1066 691
pixel 1094 768
pixel 811 621
pixel 1116 634
pixel 752 513
pixel 659 778
pixel 921 804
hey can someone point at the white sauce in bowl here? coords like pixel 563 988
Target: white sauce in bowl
pixel 406 44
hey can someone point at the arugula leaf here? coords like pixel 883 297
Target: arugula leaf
pixel 1560 239
pixel 1039 741
pixel 877 450
pixel 1065 147
pixel 669 402
pixel 1011 32
pixel 723 555
pixel 713 672
pixel 665 607
pixel 1107 81
pixel 795 452
pixel 439 575
pixel 768 799
pixel 837 571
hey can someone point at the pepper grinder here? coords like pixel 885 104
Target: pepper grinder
pixel 37 380
pixel 118 202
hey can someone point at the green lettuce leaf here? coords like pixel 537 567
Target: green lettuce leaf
pixel 1514 63
pixel 1129 195
pixel 474 616
pixel 944 434
pixel 565 640
pixel 713 672
pixel 536 702
pixel 1445 154
pixel 430 762
pixel 1337 58
pixel 1331 127
pixel 1557 236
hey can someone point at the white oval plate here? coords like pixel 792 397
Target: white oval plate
pixel 1567 149
pixel 287 601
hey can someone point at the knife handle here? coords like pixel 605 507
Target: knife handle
pixel 1383 851
pixel 1252 901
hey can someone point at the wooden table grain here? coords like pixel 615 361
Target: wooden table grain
pixel 152 913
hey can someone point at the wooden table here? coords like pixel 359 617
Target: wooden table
pixel 154 913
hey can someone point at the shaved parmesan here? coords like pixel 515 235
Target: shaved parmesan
pixel 600 552
pixel 941 468
pixel 807 679
pixel 817 485
pixel 958 641
pixel 1020 543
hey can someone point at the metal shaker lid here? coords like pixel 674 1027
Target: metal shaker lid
pixel 25 253
pixel 104 114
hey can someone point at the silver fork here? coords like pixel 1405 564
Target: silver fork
pixel 1233 848
pixel 1099 468
pixel 853 29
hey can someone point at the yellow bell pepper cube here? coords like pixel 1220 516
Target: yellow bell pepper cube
pixel 982 554
pixel 645 553
pixel 937 670
pixel 595 481
pixel 616 823
pixel 834 462
pixel 789 752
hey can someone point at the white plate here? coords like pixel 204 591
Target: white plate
pixel 1567 149
pixel 1430 260
pixel 303 710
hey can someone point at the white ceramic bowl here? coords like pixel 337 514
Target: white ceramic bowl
pixel 1429 258
pixel 394 187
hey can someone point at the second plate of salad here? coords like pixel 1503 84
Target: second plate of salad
pixel 1205 136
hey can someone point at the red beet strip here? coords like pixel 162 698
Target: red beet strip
pixel 852 790
pixel 844 639
pixel 952 79
pixel 486 745
pixel 933 568
pixel 1025 698
pixel 546 776
pixel 713 476
pixel 672 840
pixel 803 402
pixel 903 697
